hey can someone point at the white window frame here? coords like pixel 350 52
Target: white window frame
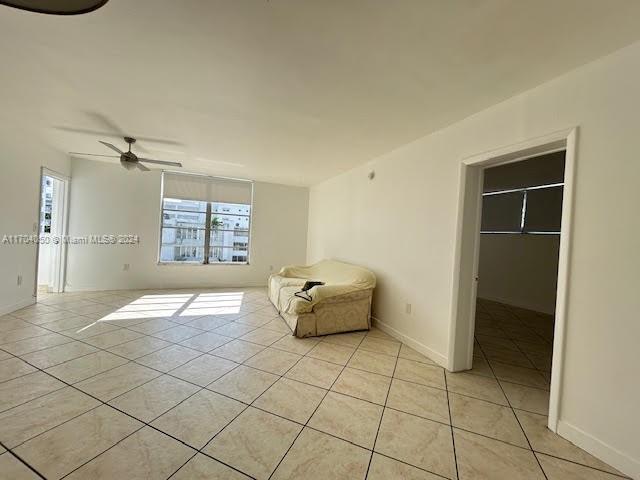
pixel 523 215
pixel 209 214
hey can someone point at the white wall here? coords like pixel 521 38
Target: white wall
pixel 520 270
pixel 44 264
pixel 19 201
pixel 403 224
pixel 107 199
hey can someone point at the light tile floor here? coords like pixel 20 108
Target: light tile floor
pixel 210 384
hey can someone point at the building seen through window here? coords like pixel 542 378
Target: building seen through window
pixel 186 224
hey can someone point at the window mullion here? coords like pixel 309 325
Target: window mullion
pixel 207 234
pixel 524 211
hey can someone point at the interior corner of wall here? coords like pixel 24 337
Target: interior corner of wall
pixel 6 309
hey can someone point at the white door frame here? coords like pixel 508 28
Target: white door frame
pixel 467 251
pixel 60 253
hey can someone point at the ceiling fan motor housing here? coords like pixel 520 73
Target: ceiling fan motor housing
pixel 128 157
pixel 128 160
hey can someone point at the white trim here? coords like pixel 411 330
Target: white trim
pixel 476 269
pixel 63 210
pixel 60 264
pixel 553 142
pixel 608 454
pixel 557 362
pixel 523 189
pixel 485 232
pixel 457 264
pixel 160 217
pixel 195 174
pixel 17 306
pixel 462 323
pixel 410 342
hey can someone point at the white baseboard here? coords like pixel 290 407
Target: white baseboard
pixel 597 448
pixel 70 289
pixel 417 346
pixel 4 309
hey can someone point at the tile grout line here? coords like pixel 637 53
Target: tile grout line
pixel 115 408
pixel 181 466
pixel 623 477
pixel 168 373
pixel 536 333
pixel 518 420
pixel 280 376
pixel 210 352
pixel 319 403
pixel 453 437
pixel 9 451
pixel 68 420
pixel 247 405
pixel 200 450
pixel 386 399
pixel 519 350
pixel 178 367
pixel 105 349
pixel 102 403
pixel 535 452
pixel 110 369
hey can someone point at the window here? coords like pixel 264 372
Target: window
pixel 533 210
pixel 204 219
pixel 46 204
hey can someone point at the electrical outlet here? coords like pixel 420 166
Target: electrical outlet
pixel 126 267
pixel 271 268
pixel 407 309
pixel 19 280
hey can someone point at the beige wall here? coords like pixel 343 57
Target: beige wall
pixel 520 270
pixel 107 199
pixel 403 226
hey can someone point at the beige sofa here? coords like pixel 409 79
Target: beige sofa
pixel 343 304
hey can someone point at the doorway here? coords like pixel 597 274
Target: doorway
pixel 466 276
pixel 52 228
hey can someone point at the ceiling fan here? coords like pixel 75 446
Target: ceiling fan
pixel 128 159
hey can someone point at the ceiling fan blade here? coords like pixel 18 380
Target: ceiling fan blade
pixel 160 162
pixel 85 131
pixel 106 122
pixel 112 147
pixel 141 167
pixel 113 127
pixel 93 155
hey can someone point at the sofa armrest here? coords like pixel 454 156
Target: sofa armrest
pixel 289 271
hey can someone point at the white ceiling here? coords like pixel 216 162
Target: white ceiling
pixel 290 91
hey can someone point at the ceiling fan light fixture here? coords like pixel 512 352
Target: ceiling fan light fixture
pixel 128 165
pixel 56 7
